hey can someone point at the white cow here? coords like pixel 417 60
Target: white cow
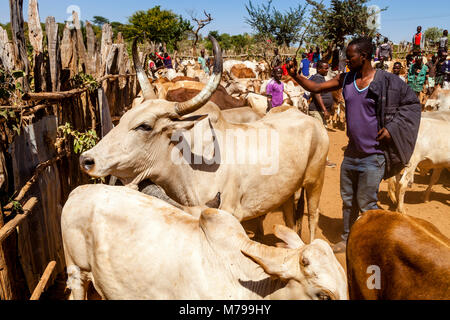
pixel 136 247
pixel 432 151
pixel 257 167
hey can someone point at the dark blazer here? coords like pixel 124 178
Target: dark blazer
pixel 400 112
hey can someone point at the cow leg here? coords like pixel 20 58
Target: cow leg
pixel 407 179
pixel 77 282
pixel 313 193
pixel 288 214
pixel 434 179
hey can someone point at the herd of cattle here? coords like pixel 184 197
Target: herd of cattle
pixel 183 239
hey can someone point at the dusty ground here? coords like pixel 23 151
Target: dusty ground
pixel 437 211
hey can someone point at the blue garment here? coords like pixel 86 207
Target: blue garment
pixel 360 183
pixel 305 67
pixel 362 122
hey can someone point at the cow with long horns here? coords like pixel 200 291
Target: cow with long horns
pixel 256 167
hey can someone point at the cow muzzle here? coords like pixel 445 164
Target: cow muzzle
pixel 87 163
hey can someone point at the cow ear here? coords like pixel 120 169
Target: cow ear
pixel 274 267
pixel 290 237
pixel 184 124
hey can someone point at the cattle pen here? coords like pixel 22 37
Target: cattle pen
pixel 38 162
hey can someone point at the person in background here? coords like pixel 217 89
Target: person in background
pixel 443 42
pixel 431 80
pixel 275 89
pixel 316 57
pixel 167 60
pixel 305 64
pixel 320 106
pixel 311 55
pixel 381 64
pixel 385 51
pixel 417 75
pixel 284 66
pixel 152 65
pixel 418 41
pixel 203 62
pixel 276 61
pixel 409 59
pixel 383 117
pixel 376 42
pixel 397 69
pixel 443 71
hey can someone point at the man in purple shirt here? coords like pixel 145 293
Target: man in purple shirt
pixel 275 89
pixel 383 118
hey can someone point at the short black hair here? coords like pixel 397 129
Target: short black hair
pixel 364 45
pixel 321 63
pixel 304 55
pixel 445 32
pixel 398 64
pixel 386 40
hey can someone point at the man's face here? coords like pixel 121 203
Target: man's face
pixel 323 70
pixel 277 74
pixel 355 60
pixel 419 61
pixel 397 69
pixel 419 29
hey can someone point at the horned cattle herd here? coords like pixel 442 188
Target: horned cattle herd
pixel 215 158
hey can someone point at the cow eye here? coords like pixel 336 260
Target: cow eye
pixel 144 127
pixel 323 296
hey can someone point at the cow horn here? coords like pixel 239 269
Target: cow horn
pixel 146 86
pixel 203 97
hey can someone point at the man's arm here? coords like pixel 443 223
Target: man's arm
pixel 313 87
pixel 319 101
pixel 159 56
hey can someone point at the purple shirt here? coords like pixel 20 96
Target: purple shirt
pixel 276 91
pixel 362 123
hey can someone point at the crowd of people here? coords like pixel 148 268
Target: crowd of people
pixel 380 142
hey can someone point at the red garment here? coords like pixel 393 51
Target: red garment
pixel 310 56
pixel 285 72
pixel 418 39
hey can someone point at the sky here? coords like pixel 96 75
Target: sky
pixel 398 23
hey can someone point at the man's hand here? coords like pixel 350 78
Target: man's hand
pixel 327 115
pixel 384 134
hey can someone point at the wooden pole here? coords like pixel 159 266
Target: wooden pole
pixel 54 55
pixel 43 282
pixel 18 37
pixel 35 35
pixel 8 228
pixel 5 282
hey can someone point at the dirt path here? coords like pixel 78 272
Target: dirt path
pixel 437 211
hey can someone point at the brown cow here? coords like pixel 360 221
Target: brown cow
pixel 411 255
pixel 220 97
pixel 240 71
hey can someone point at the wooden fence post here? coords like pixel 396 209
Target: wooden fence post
pixel 18 37
pixel 81 49
pixel 53 53
pixel 6 51
pixel 36 36
pixel 5 283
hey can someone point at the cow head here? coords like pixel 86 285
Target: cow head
pixel 311 271
pixel 148 127
pixel 314 267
